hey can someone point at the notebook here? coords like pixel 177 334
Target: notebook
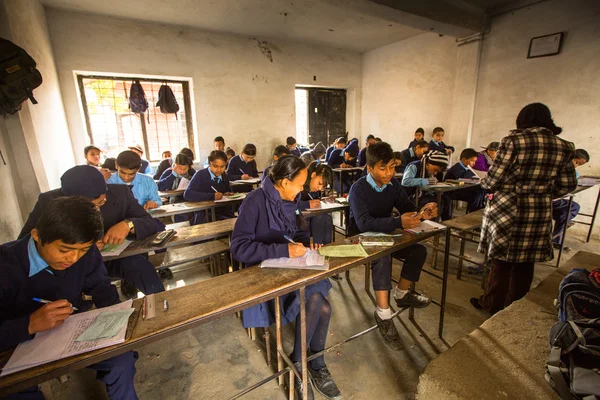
pixel 426 226
pixel 311 260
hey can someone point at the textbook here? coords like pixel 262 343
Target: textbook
pixel 426 226
pixel 235 196
pixel 376 240
pixel 311 260
pixel 250 181
pixel 113 250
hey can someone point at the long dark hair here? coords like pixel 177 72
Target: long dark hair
pixel 182 159
pixel 288 167
pixel 320 170
pixel 537 115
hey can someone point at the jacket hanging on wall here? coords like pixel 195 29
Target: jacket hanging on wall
pixel 18 77
pixel 167 101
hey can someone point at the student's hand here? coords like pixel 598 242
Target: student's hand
pixel 448 151
pixel 410 220
pixel 117 233
pixel 432 180
pixel 229 194
pixel 49 316
pixel 344 165
pixel 105 173
pixel 316 246
pixel 150 205
pixel 179 170
pixel 296 250
pixel 315 203
pixel 100 245
pixel 218 196
pixel 429 211
pixel 246 176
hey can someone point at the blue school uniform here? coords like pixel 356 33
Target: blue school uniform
pixel 145 169
pixel 234 171
pixel 411 181
pixel 439 146
pixel 328 153
pixel 143 187
pixel 25 275
pixel 265 173
pixel 474 196
pixel 320 226
pixel 201 189
pixel 264 219
pixel 296 152
pixel 362 157
pixel 406 156
pixel 170 180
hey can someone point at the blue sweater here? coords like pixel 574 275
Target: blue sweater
pixel 439 147
pixel 200 189
pixel 457 171
pixel 237 165
pixel 362 157
pixel 336 158
pixel 87 276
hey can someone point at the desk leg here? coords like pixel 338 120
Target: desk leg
pixel 564 232
pixel 279 341
pixel 436 239
pixel 463 242
pixel 444 284
pixel 303 341
pixel 213 214
pixel 593 217
pixel 367 276
pixel 411 310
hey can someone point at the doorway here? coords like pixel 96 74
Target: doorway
pixel 320 115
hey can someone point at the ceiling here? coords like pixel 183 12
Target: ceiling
pixel 348 24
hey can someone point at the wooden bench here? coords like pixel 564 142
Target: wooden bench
pixel 181 255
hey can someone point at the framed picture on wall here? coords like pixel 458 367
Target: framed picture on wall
pixel 547 45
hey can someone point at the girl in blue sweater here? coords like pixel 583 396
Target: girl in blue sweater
pixel 320 176
pixel 243 167
pixel 266 216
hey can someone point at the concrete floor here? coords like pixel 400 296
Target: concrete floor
pixel 217 360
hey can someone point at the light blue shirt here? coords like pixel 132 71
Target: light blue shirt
pixel 36 262
pixel 148 170
pixel 577 174
pixel 411 151
pixel 213 176
pixel 463 165
pixel 436 142
pixel 144 187
pixel 206 163
pixel 374 185
pixel 410 177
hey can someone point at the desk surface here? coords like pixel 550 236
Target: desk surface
pixel 168 210
pixel 171 193
pixel 347 169
pixel 311 212
pixel 451 187
pixel 466 222
pixel 201 302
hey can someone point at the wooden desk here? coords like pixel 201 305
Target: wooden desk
pixel 465 224
pixel 171 193
pixel 186 207
pixel 341 171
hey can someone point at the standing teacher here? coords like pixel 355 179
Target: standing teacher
pixel 533 166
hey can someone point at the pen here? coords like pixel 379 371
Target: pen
pixel 38 300
pixel 289 239
pixel 242 171
pixel 310 196
pixel 216 191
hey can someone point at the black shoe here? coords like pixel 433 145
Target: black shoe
pixel 337 277
pixel 165 274
pixel 298 389
pixel 129 291
pixel 475 303
pixel 324 383
pixel 389 333
pixel 413 299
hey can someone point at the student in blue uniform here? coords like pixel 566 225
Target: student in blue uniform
pixel 58 261
pixel 413 153
pixel 218 144
pixel 243 167
pixel 210 184
pixel 279 152
pixel 266 217
pixel 230 154
pixel 320 176
pixel 437 142
pixel 171 178
pixel 145 164
pixel 167 162
pixel 291 144
pixel 419 135
pixel 123 217
pixel 339 143
pixel 92 156
pixel 474 196
pixel 372 200
pixel 422 173
pixel 345 158
pixel 362 154
pixel 143 187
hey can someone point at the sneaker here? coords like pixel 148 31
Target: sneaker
pixel 323 382
pixel 389 333
pixel 475 303
pixel 298 389
pixel 336 277
pixel 165 274
pixel 129 291
pixel 413 299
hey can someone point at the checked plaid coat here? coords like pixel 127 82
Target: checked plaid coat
pixel 532 167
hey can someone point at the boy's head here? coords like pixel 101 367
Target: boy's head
pixel 280 151
pixel 291 142
pixel 378 140
pixel 92 155
pixel 492 149
pixel 66 230
pixel 468 157
pixel 438 134
pixel 419 134
pixel 220 143
pixel 351 150
pixel 109 164
pixel 370 140
pixel 436 162
pixel 84 181
pixel 217 162
pixel 398 158
pixel 381 163
pixel 420 147
pixel 166 154
pixel 230 153
pixel 249 152
pixel 580 157
pixel 128 163
pixel 340 143
pixel 139 150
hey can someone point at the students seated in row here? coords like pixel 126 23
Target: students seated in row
pixel 167 162
pixel 372 200
pixel 317 152
pixel 218 144
pixel 474 196
pixel 243 167
pixel 122 216
pixel 485 158
pixel 437 142
pixel 145 168
pixel 267 216
pixel 362 154
pixel 419 135
pixel 345 158
pixel 560 208
pixel 230 154
pixel 63 240
pixel 279 152
pixel 291 144
pixel 320 176
pixel 210 184
pixel 413 153
pixel 339 143
pixel 144 188
pixel 422 173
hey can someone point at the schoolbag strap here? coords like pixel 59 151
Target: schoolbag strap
pixel 553 365
pixel 578 333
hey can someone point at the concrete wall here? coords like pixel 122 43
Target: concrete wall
pixel 238 92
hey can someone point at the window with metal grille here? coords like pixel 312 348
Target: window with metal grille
pixel 112 126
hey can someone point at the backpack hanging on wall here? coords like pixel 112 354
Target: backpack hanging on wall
pixel 137 99
pixel 18 77
pixel 167 101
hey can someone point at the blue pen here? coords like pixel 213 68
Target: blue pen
pixel 38 300
pixel 242 171
pixel 289 239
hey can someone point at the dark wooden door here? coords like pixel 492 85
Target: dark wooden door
pixel 326 115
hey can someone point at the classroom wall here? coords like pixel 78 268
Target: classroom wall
pixel 238 92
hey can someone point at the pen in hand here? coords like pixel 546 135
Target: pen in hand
pixel 38 300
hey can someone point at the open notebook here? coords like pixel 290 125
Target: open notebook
pixel 311 260
pixel 426 226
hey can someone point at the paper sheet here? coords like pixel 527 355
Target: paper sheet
pixel 379 234
pixel 113 250
pixel 183 184
pixel 588 181
pixel 427 226
pixel 247 181
pixel 344 250
pixel 106 325
pixel 59 342
pixel 237 196
pixel 311 260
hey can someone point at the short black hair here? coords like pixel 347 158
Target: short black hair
pixel 72 220
pixel 182 159
pixel 468 153
pixel 581 153
pixel 281 150
pixel 380 151
pixel 290 140
pixel 249 150
pixel 188 152
pixel 420 130
pixel 341 139
pixel 217 155
pixel 129 159
pixel 87 149
pixel 438 129
pixel 378 139
pixel 219 139
pixel 371 136
pixel 109 164
pixel 230 152
pixel 421 143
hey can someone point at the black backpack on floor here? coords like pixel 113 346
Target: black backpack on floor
pixel 18 77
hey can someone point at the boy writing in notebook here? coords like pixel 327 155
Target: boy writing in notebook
pixel 372 200
pixel 293 146
pixel 59 261
pixel 474 196
pixel 144 188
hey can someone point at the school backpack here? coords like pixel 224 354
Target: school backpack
pixel 579 295
pixel 137 98
pixel 18 77
pixel 167 101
